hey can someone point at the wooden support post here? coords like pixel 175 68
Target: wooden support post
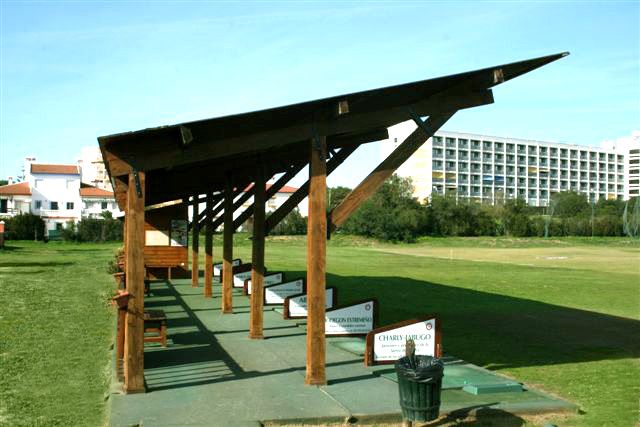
pixel 227 250
pixel 208 249
pixel 375 179
pixel 257 259
pixel 195 242
pixel 134 269
pixel 316 263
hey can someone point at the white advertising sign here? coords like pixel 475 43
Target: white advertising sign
pixel 269 279
pixel 239 278
pixel 298 304
pixel 275 294
pixel 390 345
pixel 354 319
pixel 217 268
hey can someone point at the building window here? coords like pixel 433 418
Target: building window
pixel 69 205
pixel 54 206
pixel 38 204
pixel 104 205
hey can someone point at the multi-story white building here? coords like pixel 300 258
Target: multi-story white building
pixel 488 168
pixel 56 193
pixel 92 168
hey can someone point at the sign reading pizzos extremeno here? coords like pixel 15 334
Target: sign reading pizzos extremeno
pixel 276 294
pixel 269 279
pixel 387 344
pixel 295 306
pixel 354 319
pixel 217 268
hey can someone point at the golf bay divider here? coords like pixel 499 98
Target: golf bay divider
pixel 240 274
pixel 217 268
pixel 358 318
pixel 295 306
pixel 269 279
pixel 276 294
pixel 387 344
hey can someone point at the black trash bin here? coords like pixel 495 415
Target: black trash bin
pixel 420 385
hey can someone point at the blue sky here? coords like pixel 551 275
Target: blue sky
pixel 71 71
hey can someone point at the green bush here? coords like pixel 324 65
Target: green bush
pixel 292 224
pixel 93 230
pixel 24 226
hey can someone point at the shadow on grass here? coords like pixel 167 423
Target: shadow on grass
pixel 36 264
pixel 498 331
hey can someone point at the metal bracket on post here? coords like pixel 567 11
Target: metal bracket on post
pixel 136 179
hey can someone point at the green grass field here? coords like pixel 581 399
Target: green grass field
pixel 563 315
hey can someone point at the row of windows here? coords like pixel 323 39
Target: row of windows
pixel 524 171
pixel 54 206
pixel 461 143
pixel 510 182
pixel 509 159
pixel 478 191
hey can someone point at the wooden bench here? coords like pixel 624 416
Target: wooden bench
pixel 155 322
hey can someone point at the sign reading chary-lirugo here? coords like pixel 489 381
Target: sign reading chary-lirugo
pixel 355 319
pixel 276 294
pixel 269 279
pixel 387 344
pixel 217 268
pixel 295 306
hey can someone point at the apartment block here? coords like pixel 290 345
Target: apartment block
pixel 488 168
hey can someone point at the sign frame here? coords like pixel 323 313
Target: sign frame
pixel 285 307
pixel 362 301
pixel 233 266
pixel 369 343
pixel 245 287
pixel 264 290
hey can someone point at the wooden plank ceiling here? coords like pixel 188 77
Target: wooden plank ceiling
pixel 196 157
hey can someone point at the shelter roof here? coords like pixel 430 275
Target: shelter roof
pixel 199 156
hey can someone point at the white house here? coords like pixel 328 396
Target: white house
pixel 56 193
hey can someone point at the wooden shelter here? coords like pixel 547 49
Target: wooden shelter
pixel 217 159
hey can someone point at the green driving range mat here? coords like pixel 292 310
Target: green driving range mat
pixel 352 345
pixel 279 310
pixel 468 377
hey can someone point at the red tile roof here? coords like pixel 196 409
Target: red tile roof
pixel 88 191
pixel 284 189
pixel 55 169
pixel 19 189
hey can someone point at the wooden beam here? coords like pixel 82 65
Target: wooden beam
pixel 316 263
pixel 134 269
pixel 227 250
pixel 195 243
pixel 246 195
pixel 203 215
pixel 375 179
pixel 208 250
pixel 257 259
pixel 296 198
pixel 210 175
pixel 275 187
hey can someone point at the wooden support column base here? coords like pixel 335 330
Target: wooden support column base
pixel 256 337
